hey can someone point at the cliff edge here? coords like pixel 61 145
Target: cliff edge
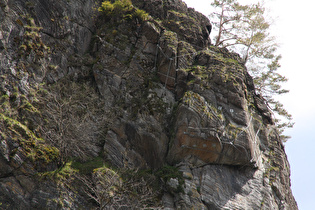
pixel 127 105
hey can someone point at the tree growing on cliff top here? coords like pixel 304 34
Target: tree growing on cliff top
pixel 245 29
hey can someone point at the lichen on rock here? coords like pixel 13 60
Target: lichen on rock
pixel 130 105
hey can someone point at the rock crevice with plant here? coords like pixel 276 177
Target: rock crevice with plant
pixel 127 104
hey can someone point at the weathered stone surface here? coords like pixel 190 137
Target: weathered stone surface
pixel 186 22
pixel 141 143
pixel 202 132
pixel 167 58
pixel 142 94
pixel 13 195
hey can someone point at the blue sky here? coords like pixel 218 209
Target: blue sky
pixel 295 34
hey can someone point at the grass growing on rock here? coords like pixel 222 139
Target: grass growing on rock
pixel 33 147
pixel 108 186
pixel 122 9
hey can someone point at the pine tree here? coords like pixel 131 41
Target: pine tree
pixel 245 29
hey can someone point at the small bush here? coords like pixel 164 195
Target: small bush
pixel 122 9
pixel 141 14
pixel 122 6
pixel 107 7
pixel 117 8
pixel 121 189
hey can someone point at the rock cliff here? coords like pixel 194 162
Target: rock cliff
pixel 130 106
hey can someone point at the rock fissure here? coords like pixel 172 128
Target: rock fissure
pixel 149 95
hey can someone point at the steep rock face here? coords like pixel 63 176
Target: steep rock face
pixel 80 87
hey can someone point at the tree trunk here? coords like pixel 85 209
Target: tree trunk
pixel 220 27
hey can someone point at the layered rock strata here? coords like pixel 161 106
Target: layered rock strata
pixel 80 88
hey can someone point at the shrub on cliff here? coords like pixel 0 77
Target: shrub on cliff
pixel 245 29
pixel 122 9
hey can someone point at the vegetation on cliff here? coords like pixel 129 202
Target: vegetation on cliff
pixel 245 29
pixel 129 106
pixel 122 9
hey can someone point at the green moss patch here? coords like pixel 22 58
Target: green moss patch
pixel 89 166
pixel 33 147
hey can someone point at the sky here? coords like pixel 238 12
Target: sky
pixel 292 28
